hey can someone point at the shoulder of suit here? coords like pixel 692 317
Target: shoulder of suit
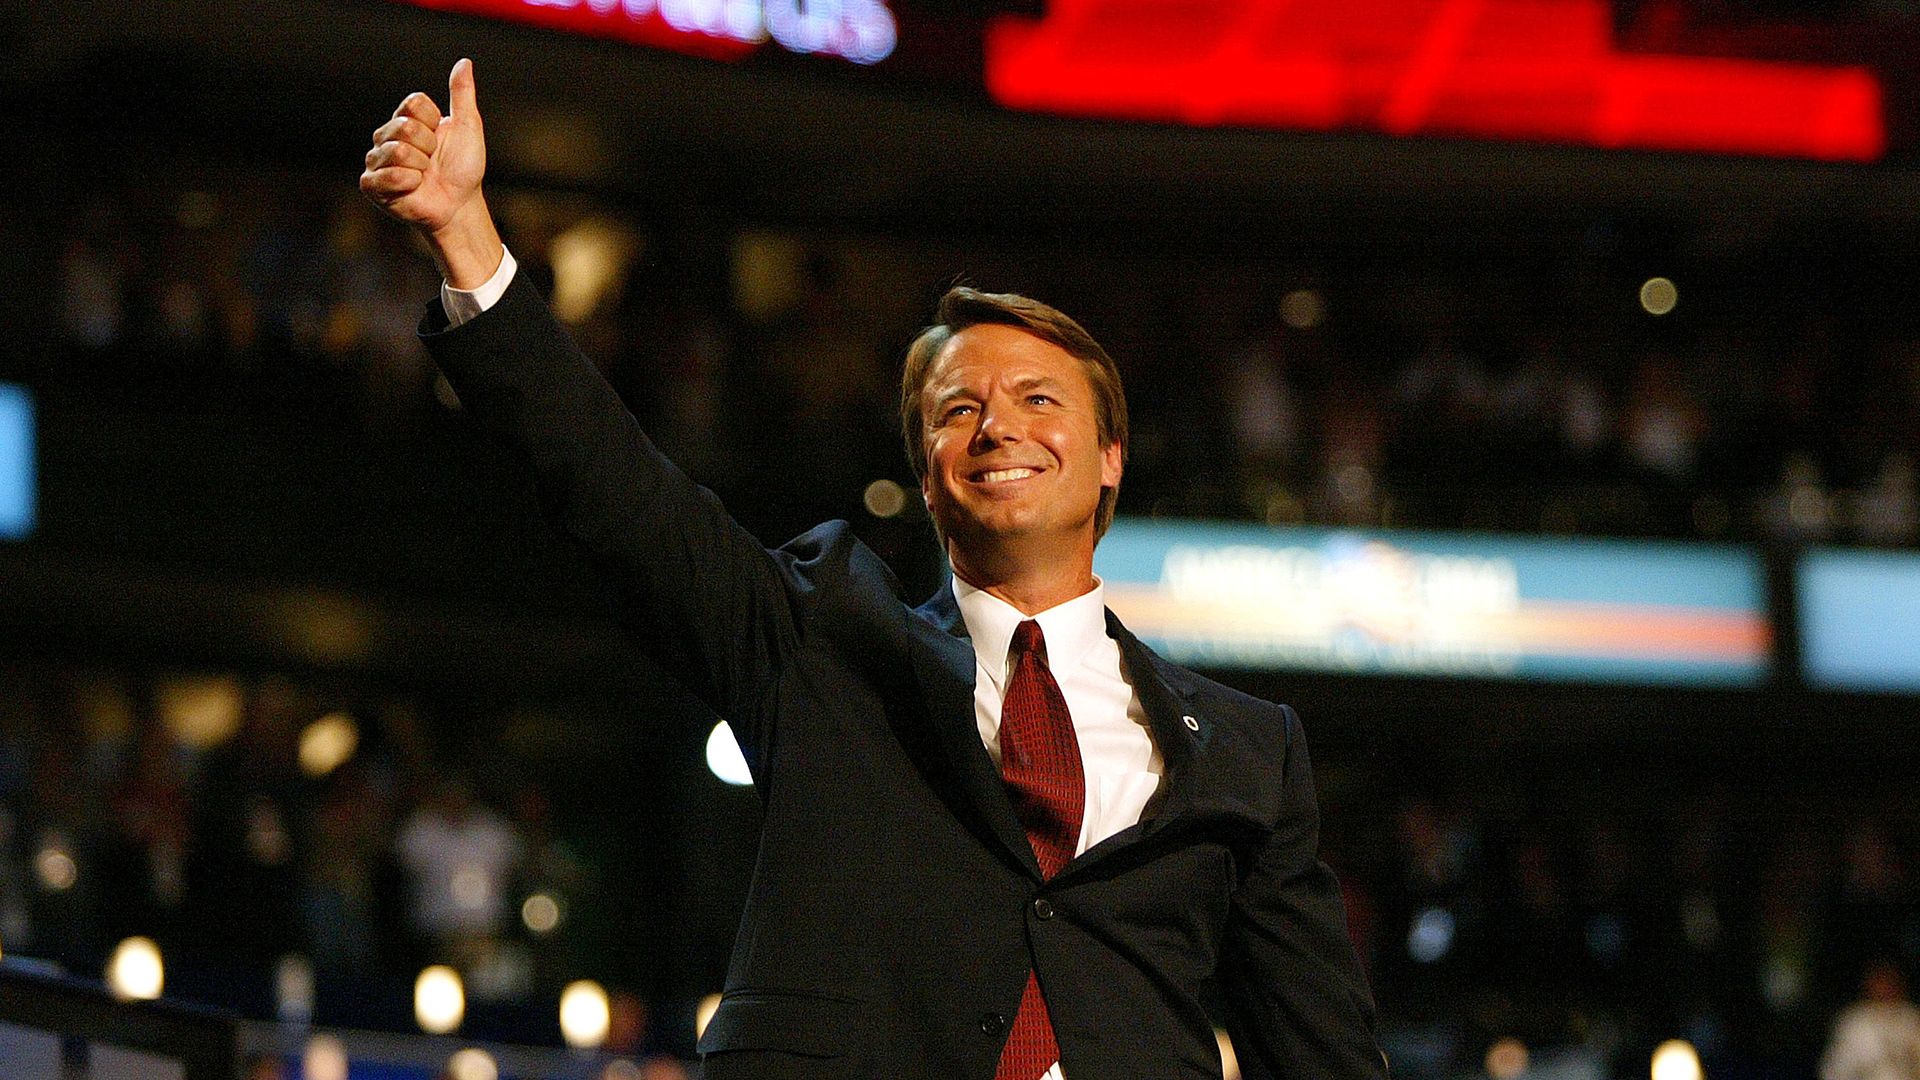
pixel 829 555
pixel 1239 702
pixel 1263 722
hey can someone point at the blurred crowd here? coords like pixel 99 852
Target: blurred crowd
pixel 268 840
pixel 272 842
pixel 1540 397
pixel 1603 932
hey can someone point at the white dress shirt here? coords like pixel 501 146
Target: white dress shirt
pixel 1123 767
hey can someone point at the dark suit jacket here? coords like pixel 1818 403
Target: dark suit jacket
pixel 896 906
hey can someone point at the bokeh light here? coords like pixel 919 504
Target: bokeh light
pixel 439 1000
pixel 584 1014
pixel 136 973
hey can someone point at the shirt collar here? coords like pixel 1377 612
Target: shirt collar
pixel 1072 628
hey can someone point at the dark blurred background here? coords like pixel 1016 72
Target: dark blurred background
pixel 290 669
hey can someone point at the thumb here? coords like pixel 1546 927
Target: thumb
pixel 462 102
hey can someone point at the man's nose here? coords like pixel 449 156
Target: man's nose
pixel 996 425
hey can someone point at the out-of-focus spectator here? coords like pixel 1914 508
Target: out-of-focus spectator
pixel 548 868
pixel 460 858
pixel 61 830
pixel 351 823
pixel 146 851
pixel 1886 511
pixel 1878 1036
pixel 1799 508
pixel 248 855
pixel 1663 423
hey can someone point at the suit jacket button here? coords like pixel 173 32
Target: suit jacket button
pixel 1043 908
pixel 992 1023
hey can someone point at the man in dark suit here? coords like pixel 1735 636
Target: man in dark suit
pixel 1002 838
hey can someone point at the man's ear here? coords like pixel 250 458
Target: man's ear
pixel 1111 461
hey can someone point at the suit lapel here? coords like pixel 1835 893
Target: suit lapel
pixel 1186 734
pixel 944 663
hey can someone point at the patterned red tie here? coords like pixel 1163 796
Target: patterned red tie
pixel 1040 761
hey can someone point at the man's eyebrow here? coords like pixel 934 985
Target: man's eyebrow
pixel 941 398
pixel 1038 382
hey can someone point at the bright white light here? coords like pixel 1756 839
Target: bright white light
pixel 701 1016
pixel 541 913
pixel 293 988
pixel 1431 935
pixel 472 1064
pixel 1658 296
pixel 325 1058
pixel 585 1015
pixel 327 744
pixel 53 865
pixel 1506 1058
pixel 135 972
pixel 884 499
pixel 439 1001
pixel 724 757
pixel 1675 1059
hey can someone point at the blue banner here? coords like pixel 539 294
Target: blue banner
pixel 16 462
pixel 1441 604
pixel 1860 619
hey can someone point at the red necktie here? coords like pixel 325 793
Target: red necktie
pixel 1040 761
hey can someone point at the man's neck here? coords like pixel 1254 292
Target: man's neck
pixel 1030 584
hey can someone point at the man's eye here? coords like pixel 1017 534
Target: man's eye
pixel 1039 399
pixel 958 410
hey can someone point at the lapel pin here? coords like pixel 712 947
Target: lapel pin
pixel 1192 724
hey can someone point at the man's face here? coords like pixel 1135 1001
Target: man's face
pixel 1013 443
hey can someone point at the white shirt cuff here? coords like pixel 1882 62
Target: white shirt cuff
pixel 463 305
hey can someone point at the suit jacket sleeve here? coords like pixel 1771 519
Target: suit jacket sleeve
pixel 692 587
pixel 1298 1003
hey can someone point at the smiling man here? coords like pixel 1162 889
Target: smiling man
pixel 1002 838
pixel 1014 419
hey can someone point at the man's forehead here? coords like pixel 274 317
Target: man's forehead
pixel 994 351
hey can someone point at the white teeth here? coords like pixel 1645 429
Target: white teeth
pixel 998 475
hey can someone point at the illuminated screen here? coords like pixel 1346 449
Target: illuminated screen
pixel 16 462
pixel 1440 604
pixel 1860 620
pixel 1511 69
pixel 863 31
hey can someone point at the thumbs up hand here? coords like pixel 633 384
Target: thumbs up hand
pixel 425 169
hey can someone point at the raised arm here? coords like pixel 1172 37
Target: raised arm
pixel 694 589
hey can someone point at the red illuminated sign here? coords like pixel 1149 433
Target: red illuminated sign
pixel 1526 69
pixel 863 31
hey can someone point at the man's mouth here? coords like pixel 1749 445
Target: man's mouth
pixel 997 476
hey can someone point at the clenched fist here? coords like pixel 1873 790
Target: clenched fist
pixel 425 169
